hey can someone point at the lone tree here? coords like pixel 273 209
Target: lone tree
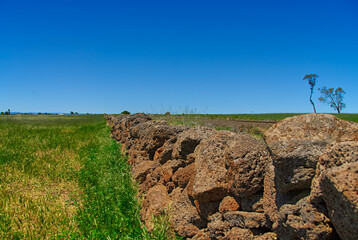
pixel 312 82
pixel 333 97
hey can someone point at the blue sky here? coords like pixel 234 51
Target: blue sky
pixel 177 56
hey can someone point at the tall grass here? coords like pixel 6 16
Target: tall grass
pixel 62 177
pixel 38 176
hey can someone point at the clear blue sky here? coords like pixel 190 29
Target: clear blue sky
pixel 157 56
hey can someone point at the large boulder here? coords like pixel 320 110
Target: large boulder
pixel 228 163
pixel 297 143
pixel 339 186
pixel 302 221
pixel 210 182
pixel 245 157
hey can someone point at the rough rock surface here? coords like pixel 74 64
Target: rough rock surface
pixel 246 158
pixel 164 153
pixel 183 215
pixel 253 203
pixel 246 219
pixel 228 162
pixel 161 174
pixel 183 175
pixel 187 141
pixel 312 127
pixel 340 192
pixel 206 209
pixel 240 233
pixel 156 202
pixel 270 194
pixel 267 236
pixel 210 182
pixel 141 170
pixel 297 143
pixel 336 155
pixel 302 221
pixel 203 234
pixel 228 204
pixel 153 135
pixel 218 229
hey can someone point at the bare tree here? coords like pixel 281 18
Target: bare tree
pixel 333 97
pixel 312 82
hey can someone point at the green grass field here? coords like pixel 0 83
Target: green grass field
pixel 62 177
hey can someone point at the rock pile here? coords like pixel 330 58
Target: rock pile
pixel 300 183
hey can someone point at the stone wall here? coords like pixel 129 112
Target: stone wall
pixel 300 183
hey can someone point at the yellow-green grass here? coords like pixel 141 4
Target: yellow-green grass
pixel 62 177
pixel 262 116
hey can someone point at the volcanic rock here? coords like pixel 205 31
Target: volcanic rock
pixel 302 221
pixel 188 140
pixel 340 192
pixel 298 142
pixel 156 202
pixel 228 162
pixel 184 217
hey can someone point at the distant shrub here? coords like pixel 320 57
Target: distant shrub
pixel 125 112
pixel 167 113
pixel 2 113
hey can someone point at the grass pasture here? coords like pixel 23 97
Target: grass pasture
pixel 62 177
pixel 258 117
pixel 254 124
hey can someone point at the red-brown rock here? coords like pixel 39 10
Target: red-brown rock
pixel 340 192
pixel 156 202
pixel 182 176
pixel 228 204
pixel 141 170
pixel 188 140
pixel 184 217
pixel 164 153
pixel 228 162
